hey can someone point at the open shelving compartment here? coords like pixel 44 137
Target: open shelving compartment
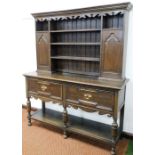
pixel 41 26
pixel 75 45
pixel 80 59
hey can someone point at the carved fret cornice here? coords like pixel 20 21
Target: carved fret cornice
pixel 111 8
pixel 79 16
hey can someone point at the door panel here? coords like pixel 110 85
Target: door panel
pixel 112 50
pixel 43 51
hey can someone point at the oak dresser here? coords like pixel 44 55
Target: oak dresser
pixel 81 64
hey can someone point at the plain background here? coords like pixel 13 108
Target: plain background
pixel 17 58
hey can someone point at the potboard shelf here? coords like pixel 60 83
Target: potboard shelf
pixel 85 127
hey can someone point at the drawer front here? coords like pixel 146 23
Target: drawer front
pixel 90 97
pixel 45 88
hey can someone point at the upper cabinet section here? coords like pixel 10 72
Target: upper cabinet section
pixel 87 41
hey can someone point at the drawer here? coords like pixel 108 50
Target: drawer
pixel 90 97
pixel 45 88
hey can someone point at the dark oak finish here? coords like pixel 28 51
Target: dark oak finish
pixel 113 50
pixel 80 64
pixel 45 88
pixel 78 79
pixel 90 97
pixel 42 46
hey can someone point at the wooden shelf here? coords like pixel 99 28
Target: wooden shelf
pixel 75 30
pixel 78 125
pixel 76 58
pixel 76 43
pixel 78 72
pixel 50 117
pixel 89 128
pixel 42 31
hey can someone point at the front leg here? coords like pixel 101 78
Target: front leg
pixel 65 119
pixel 29 111
pixel 43 107
pixel 114 136
pixel 121 120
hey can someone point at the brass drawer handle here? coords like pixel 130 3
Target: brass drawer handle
pixel 43 87
pixel 87 96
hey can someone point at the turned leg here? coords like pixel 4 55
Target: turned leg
pixel 65 119
pixel 114 135
pixel 121 119
pixel 29 111
pixel 43 107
